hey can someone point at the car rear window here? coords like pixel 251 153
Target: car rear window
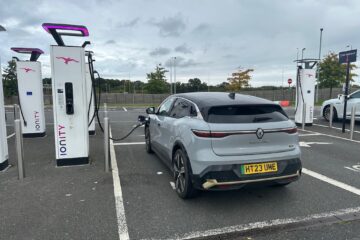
pixel 246 114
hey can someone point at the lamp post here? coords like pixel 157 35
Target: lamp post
pixel 302 53
pixel 318 69
pixel 175 75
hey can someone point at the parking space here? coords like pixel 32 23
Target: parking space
pixel 154 211
pixel 52 202
pixel 138 200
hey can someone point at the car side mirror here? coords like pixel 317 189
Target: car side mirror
pixel 142 118
pixel 150 110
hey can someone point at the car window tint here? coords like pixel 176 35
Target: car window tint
pixel 246 114
pixel 182 108
pixel 165 107
pixel 355 95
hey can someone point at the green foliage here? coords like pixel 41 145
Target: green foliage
pixel 10 80
pixel 332 73
pixel 239 79
pixel 157 81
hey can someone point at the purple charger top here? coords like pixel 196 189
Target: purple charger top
pixel 82 29
pixel 27 50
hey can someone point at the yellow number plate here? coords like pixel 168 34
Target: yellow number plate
pixel 259 168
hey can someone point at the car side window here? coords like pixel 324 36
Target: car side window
pixel 182 108
pixel 165 107
pixel 355 95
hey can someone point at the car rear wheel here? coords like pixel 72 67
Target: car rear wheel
pixel 148 140
pixel 182 175
pixel 326 113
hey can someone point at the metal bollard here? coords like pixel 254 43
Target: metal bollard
pixel 106 143
pixel 303 116
pixel 331 115
pixel 105 110
pixel 19 149
pixel 352 122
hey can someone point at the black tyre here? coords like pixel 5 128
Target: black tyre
pixel 326 113
pixel 182 175
pixel 148 140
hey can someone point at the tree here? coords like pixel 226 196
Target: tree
pixel 332 73
pixel 239 79
pixel 157 81
pixel 10 79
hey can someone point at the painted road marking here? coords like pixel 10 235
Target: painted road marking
pixel 307 144
pixel 129 143
pixel 172 184
pixel 11 135
pixel 125 109
pixel 266 224
pixel 309 134
pixel 355 168
pixel 119 202
pixel 346 139
pixel 320 125
pixel 332 181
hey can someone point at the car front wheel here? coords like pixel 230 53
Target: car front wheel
pixel 326 113
pixel 148 140
pixel 182 175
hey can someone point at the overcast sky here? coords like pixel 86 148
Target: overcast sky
pixel 210 38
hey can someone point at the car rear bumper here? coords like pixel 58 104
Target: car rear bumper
pixel 220 177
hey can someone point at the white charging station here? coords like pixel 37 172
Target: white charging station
pixel 30 90
pixel 305 91
pixel 90 96
pixel 4 154
pixel 69 96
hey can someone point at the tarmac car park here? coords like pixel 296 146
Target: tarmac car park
pixel 138 200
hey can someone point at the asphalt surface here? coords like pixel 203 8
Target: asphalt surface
pixel 56 203
pixel 153 210
pixel 40 207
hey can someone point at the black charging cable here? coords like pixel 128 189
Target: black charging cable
pixel 18 96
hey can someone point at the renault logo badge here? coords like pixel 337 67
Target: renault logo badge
pixel 260 133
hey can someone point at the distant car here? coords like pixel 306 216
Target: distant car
pixel 216 141
pixel 353 100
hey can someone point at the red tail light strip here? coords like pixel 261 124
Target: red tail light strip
pixel 217 134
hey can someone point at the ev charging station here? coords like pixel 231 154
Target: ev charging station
pixel 305 90
pixel 69 96
pixel 30 90
pixel 90 92
pixel 4 153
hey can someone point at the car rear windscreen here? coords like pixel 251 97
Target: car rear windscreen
pixel 246 114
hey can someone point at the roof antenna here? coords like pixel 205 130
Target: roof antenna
pixel 232 95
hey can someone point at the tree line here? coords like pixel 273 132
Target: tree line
pixel 332 74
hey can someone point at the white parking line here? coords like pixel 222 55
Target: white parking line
pixel 125 109
pixel 346 139
pixel 332 181
pixel 309 134
pixel 266 224
pixel 129 143
pixel 119 202
pixel 11 135
pixel 325 126
pixel 172 184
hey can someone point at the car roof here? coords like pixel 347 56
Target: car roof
pixel 213 99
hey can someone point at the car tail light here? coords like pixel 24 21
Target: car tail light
pixel 209 134
pixel 291 130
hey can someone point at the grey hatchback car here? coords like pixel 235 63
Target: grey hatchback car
pixel 217 141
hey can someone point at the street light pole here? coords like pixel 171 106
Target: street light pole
pixel 175 74
pixel 302 53
pixel 318 69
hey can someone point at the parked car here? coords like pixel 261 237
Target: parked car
pixel 338 112
pixel 216 141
